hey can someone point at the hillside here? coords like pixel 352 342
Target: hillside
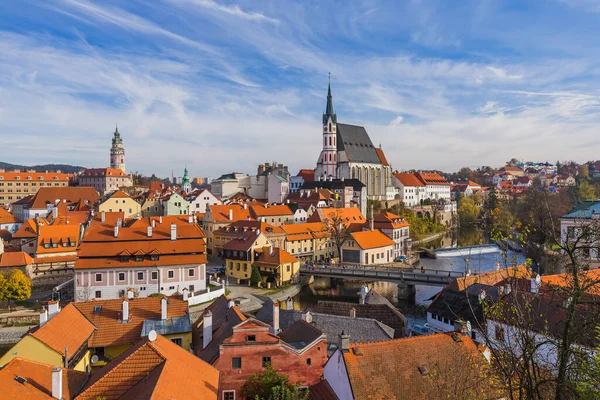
pixel 66 168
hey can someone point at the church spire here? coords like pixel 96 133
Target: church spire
pixel 329 108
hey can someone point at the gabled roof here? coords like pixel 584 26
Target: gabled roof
pixel 157 369
pixel 371 239
pixel 300 334
pixel 48 195
pixel 57 234
pixel 408 179
pixel 432 178
pixel 308 175
pixel 381 156
pixel 221 212
pixel 7 218
pixel 38 384
pixel 26 231
pixel 34 176
pixel 351 216
pixel 491 277
pixel 103 172
pixel 387 220
pixel 119 194
pixel 274 256
pixel 69 328
pixel 355 141
pixel 15 259
pixel 112 331
pixel 397 376
pixel 243 242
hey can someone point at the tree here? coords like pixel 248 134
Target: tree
pixel 285 392
pixel 467 210
pixel 338 231
pixel 261 384
pixel 584 171
pixel 492 200
pixel 255 278
pixel 16 287
pixel 512 162
pixel 585 191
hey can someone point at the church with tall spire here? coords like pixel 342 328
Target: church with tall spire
pixel 117 151
pixel 348 153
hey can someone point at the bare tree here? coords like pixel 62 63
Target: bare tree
pixel 338 229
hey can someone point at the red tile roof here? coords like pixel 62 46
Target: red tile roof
pixel 390 369
pixel 71 195
pixel 39 380
pixel 382 157
pixel 387 220
pixel 111 331
pixel 274 256
pixel 157 369
pixel 7 218
pixel 15 259
pixel 244 241
pixel 408 179
pixel 308 175
pixel 57 235
pixel 270 210
pixel 371 239
pixel 34 176
pixel 431 178
pixel 69 328
pixel 27 231
pixel 103 172
pixel 220 213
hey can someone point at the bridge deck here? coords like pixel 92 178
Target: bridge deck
pixel 390 274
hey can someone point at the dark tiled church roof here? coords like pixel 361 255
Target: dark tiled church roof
pixel 355 141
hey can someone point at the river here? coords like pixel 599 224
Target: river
pixel 455 258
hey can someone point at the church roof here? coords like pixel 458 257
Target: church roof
pixel 355 141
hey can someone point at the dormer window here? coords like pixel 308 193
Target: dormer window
pixel 154 257
pixel 139 258
pixel 251 338
pixel 54 245
pixel 18 178
pixel 124 258
pixel 46 245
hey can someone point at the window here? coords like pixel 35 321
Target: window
pixel 191 272
pixel 121 276
pixel 139 258
pixel 499 333
pixel 98 294
pixel 140 276
pixel 98 277
pixel 229 395
pixel 191 288
pixel 178 341
pixel 266 360
pixel 154 275
pixel 288 268
pixel 171 274
pixel 251 338
pixel 171 287
pixel 308 361
pixel 236 363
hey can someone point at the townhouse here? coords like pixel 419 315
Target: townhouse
pixel 219 216
pixel 275 234
pixel 309 242
pixel 368 248
pixel 121 202
pixel 46 199
pixel 16 185
pixel 104 179
pixel 9 222
pixel 411 189
pixel 200 199
pixel 397 229
pixel 151 255
pixel 276 215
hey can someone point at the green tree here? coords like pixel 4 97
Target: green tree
pixel 255 278
pixel 468 210
pixel 585 191
pixel 584 171
pixel 492 200
pixel 261 384
pixel 285 392
pixel 16 287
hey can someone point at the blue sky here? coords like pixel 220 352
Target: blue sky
pixel 224 85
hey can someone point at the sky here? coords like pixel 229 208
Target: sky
pixel 221 86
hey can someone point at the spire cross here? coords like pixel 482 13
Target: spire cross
pixel 330 77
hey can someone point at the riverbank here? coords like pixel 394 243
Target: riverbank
pixel 429 238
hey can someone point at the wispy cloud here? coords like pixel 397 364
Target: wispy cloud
pixel 234 10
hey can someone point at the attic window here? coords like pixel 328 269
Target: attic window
pixel 154 257
pixel 423 370
pixel 139 258
pixel 20 379
pixel 97 309
pixel 251 338
pixel 124 258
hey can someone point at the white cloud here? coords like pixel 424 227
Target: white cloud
pixel 235 10
pixel 396 121
pixel 501 73
pixel 491 107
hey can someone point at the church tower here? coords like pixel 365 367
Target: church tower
pixel 186 185
pixel 329 153
pixel 117 152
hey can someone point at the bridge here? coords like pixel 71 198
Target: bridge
pixel 402 276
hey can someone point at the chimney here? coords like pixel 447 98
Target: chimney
pixel 131 293
pixel 53 308
pixel 462 327
pixel 207 329
pixel 307 316
pixel 363 294
pixel 43 317
pixel 186 293
pixel 154 223
pixel 230 303
pixel 163 308
pixel 125 316
pixel 536 283
pixel 103 216
pixel 160 219
pixel 54 213
pixel 246 207
pixel 57 384
pixel 353 313
pixel 117 231
pixel 289 304
pixel 173 232
pixel 343 342
pixel 231 214
pixel 150 231
pixel 190 218
pixel 66 356
pixel 276 329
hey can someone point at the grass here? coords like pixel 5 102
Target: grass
pixel 17 323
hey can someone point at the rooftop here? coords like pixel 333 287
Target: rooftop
pixel 371 239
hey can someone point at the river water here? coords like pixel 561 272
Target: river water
pixel 454 257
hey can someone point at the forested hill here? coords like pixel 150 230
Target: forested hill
pixel 66 168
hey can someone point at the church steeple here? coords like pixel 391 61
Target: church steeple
pixel 329 108
pixel 117 152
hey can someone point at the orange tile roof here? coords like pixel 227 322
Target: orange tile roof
pixel 119 194
pixel 15 259
pixel 34 176
pixel 69 328
pixel 39 380
pixel 371 239
pixel 237 227
pixel 565 280
pixel 491 277
pixel 408 179
pixel 7 218
pixel 156 369
pixel 220 212
pixel 244 241
pixel 387 220
pixel 57 234
pixel 270 210
pixel 49 195
pixel 27 231
pixel 382 157
pixel 103 172
pixel 431 178
pixel 308 175
pixel 274 256
pixel 350 215
pixel 308 227
pixel 111 331
pixel 390 369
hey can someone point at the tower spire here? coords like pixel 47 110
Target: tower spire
pixel 329 108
